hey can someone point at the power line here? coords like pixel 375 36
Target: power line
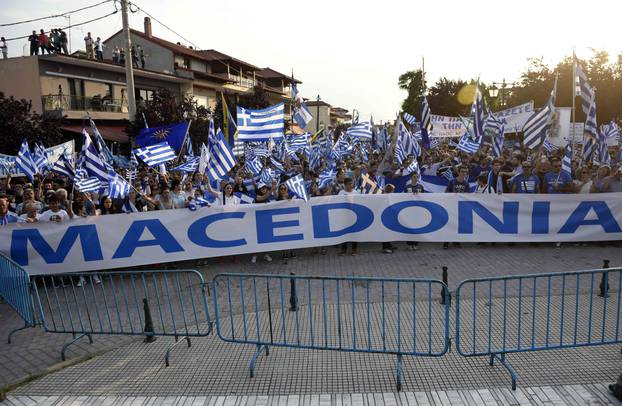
pixel 55 15
pixel 164 25
pixel 69 26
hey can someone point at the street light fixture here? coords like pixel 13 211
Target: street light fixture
pixel 501 92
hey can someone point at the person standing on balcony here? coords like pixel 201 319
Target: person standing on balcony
pixel 122 56
pixel 99 49
pixel 44 42
pixel 88 44
pixel 34 43
pixel 141 54
pixel 134 56
pixel 4 48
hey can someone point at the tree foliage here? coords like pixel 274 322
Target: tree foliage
pixel 535 83
pixel 414 83
pixel 17 120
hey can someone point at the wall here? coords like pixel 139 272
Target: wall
pixel 205 97
pixel 20 79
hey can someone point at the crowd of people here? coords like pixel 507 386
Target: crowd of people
pixel 54 42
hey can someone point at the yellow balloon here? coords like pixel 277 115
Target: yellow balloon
pixel 466 94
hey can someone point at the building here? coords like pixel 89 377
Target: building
pixel 329 116
pixel 72 87
pixel 209 72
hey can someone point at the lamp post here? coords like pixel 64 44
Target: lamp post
pixel 502 91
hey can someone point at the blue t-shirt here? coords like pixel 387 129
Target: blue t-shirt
pixel 552 179
pixel 9 218
pixel 526 184
pixel 455 186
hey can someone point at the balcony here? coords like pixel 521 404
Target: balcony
pixel 60 105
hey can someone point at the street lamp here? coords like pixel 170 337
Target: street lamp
pixel 501 92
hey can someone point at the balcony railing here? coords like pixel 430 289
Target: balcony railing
pixel 54 102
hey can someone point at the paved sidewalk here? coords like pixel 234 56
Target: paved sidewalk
pixel 212 366
pixel 595 394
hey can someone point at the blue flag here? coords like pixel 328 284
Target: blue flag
pixel 174 134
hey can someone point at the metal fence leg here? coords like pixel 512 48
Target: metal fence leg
pixel 167 356
pixel 76 338
pixel 399 372
pixel 26 325
pixel 507 365
pixel 260 348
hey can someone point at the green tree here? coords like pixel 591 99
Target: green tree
pixel 443 98
pixel 17 120
pixel 164 108
pixel 414 83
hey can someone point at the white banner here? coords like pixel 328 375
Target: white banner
pixel 123 240
pixel 53 153
pixel 515 117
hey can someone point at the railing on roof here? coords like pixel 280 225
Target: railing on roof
pixel 81 103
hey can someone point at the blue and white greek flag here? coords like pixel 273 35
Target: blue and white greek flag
pixel 466 144
pixel 477 115
pixel 267 175
pixel 327 178
pixel 368 186
pixel 548 147
pixel 413 167
pixel 302 115
pixel 405 144
pixel 260 125
pixel 448 174
pixel 604 157
pixel 567 160
pixel 587 93
pixel 591 135
pixel 88 185
pixel 221 157
pixel 91 161
pixel 101 145
pixel 409 118
pixel 610 130
pixel 190 166
pixel 40 159
pixel 434 143
pixel 498 141
pixel 426 125
pixel 277 165
pixel 362 131
pixel 118 188
pixel 63 167
pixel 156 154
pixel 253 164
pixel 25 162
pixel 538 124
pixel 297 186
pixel 299 142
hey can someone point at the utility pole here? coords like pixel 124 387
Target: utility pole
pixel 129 68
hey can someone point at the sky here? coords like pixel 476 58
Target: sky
pixel 351 53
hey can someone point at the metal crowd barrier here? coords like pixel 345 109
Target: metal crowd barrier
pixel 149 303
pixel 15 289
pixel 511 314
pixel 354 314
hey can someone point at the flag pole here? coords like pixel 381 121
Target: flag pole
pixel 184 141
pixel 574 94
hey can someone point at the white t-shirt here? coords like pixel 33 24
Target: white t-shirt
pixel 25 216
pixel 585 188
pixel 58 216
pixel 344 192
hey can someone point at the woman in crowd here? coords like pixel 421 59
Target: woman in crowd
pixel 584 183
pixel 177 195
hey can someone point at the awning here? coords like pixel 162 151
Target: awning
pixel 114 133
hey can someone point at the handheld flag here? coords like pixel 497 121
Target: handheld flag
pixel 368 186
pixel 221 157
pixel 297 186
pixel 260 125
pixel 25 162
pixel 173 134
pixel 156 154
pixel 118 188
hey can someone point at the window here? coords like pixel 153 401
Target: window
pixel 144 94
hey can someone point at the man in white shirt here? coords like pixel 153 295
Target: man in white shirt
pixel 348 187
pixel 55 213
pixel 31 214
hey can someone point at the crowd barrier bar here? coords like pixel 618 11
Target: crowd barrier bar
pixel 150 303
pixel 512 314
pixel 15 289
pixel 368 315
